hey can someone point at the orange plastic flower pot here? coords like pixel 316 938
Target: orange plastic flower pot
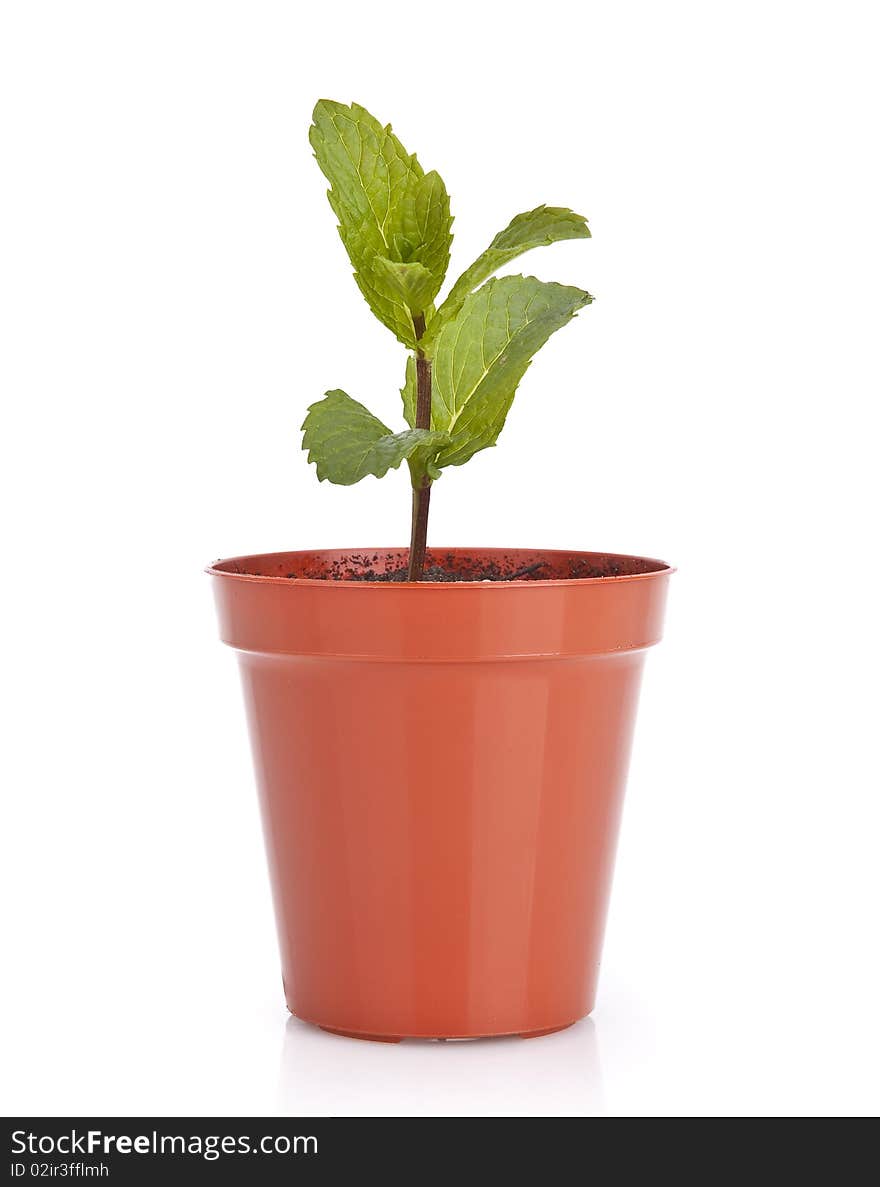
pixel 441 769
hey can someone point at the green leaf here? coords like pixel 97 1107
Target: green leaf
pixel 412 283
pixel 387 207
pixel 346 442
pixel 481 355
pixel 535 228
pixel 420 229
pixel 409 392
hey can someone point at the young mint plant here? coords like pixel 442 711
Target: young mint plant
pixel 468 354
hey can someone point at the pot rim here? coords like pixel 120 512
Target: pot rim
pixel 217 569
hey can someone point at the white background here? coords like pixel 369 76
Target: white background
pixel 175 294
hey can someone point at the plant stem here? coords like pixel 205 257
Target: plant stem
pixel 421 500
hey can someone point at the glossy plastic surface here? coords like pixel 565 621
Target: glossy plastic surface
pixel 441 771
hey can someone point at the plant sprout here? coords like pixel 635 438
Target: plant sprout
pixel 468 353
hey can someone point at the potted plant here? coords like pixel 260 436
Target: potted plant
pixel 440 735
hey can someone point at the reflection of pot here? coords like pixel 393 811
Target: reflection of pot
pixel 323 1075
pixel 441 770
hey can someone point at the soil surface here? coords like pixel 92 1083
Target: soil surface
pixel 384 568
pixel 490 572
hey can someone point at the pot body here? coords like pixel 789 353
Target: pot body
pixel 441 772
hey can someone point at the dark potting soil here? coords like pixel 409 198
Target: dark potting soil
pixel 490 572
pixel 381 569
